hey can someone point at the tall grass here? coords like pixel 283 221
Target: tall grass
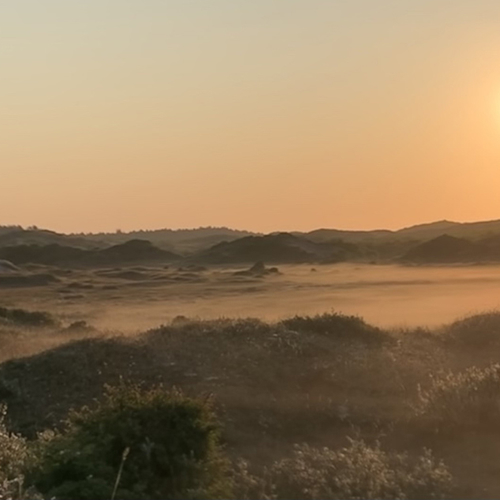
pixel 358 471
pixel 455 401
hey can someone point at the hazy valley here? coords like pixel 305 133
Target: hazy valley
pixel 309 339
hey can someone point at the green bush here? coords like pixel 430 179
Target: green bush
pixel 22 317
pixel 453 401
pixel 355 472
pixel 172 444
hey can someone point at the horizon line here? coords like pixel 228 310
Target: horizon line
pixel 119 231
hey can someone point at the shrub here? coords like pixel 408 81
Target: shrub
pixel 14 459
pixel 460 400
pixel 355 472
pixel 27 318
pixel 479 330
pixel 337 325
pixel 172 442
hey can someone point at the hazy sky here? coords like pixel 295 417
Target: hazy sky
pixel 256 114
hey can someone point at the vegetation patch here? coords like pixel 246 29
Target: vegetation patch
pixel 155 444
pixel 25 318
pixel 454 401
pixel 479 330
pixel 357 471
pixel 337 325
pixel 15 457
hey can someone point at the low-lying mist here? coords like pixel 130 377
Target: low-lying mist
pixel 134 299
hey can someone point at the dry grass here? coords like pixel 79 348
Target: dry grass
pixel 353 472
pixel 457 401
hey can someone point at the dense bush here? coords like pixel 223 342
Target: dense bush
pixel 166 443
pixel 479 330
pixel 355 472
pixel 22 317
pixel 458 400
pixel 336 325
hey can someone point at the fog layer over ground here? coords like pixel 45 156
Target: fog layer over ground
pixel 131 300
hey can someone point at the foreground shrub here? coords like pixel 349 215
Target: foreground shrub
pixel 165 444
pixel 22 317
pixel 356 472
pixel 479 330
pixel 460 400
pixel 14 459
pixel 337 325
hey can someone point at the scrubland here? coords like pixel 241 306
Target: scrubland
pixel 318 406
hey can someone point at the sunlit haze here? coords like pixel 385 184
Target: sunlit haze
pixel 261 115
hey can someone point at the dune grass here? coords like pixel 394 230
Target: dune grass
pixel 308 380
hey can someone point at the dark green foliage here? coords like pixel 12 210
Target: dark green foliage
pixel 22 317
pixel 337 325
pixel 173 444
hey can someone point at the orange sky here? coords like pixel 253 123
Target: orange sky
pixel 263 115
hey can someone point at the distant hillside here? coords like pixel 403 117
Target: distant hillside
pixel 133 251
pixel 19 236
pixel 449 249
pixel 425 230
pixel 182 241
pixel 9 229
pixel 420 232
pixel 443 249
pixel 468 230
pixel 220 245
pixel 327 235
pixel 276 248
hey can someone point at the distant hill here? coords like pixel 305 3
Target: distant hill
pixel 443 249
pixel 326 235
pixel 442 226
pixel 420 232
pixel 468 230
pixel 181 241
pixel 491 247
pixel 19 236
pixel 276 248
pixel 134 251
pixel 9 229
pixel 221 245
pixel 450 249
pixel 281 247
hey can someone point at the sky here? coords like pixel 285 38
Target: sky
pixel 262 115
